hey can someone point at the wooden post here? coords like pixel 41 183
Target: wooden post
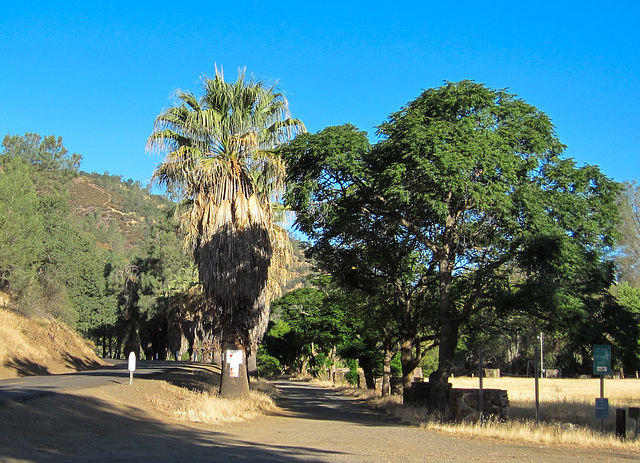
pixel 621 423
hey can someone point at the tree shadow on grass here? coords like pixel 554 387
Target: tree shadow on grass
pixel 26 367
pixel 63 427
pixel 80 363
pixel 192 376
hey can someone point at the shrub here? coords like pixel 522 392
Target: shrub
pixel 268 365
pixel 352 375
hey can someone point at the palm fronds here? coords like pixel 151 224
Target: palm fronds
pixel 219 157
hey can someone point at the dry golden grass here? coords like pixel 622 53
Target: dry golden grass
pixel 562 400
pixel 205 407
pixel 567 409
pixel 30 346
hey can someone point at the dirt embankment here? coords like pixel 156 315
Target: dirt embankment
pixel 36 346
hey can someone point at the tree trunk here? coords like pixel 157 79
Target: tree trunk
pixel 304 366
pixel 439 379
pixel 386 371
pixel 235 381
pixel 408 365
pixel 252 365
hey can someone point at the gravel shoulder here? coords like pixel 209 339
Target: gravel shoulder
pixel 313 424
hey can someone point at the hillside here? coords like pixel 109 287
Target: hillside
pixel 37 346
pixel 115 211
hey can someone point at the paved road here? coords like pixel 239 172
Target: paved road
pixel 315 425
pixel 322 425
pixel 38 386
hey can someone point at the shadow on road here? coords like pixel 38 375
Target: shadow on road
pixel 303 400
pixel 70 428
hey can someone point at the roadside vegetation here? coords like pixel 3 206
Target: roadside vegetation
pixel 205 406
pixel 566 408
pixel 38 346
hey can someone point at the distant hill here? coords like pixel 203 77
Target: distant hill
pixel 300 269
pixel 116 212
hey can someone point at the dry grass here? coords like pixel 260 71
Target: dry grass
pixel 567 409
pixel 36 346
pixel 562 400
pixel 205 406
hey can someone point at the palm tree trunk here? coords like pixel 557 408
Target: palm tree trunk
pixel 234 382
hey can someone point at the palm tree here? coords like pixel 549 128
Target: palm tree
pixel 220 162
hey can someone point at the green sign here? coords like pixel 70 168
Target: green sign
pixel 602 359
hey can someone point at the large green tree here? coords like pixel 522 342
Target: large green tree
pixel 471 179
pixel 220 163
pixel 52 164
pixel 20 227
pixel 330 190
pixel 64 268
pixel 628 257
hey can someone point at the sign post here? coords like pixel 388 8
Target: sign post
pixel 602 367
pixel 481 388
pixel 536 384
pixel 132 366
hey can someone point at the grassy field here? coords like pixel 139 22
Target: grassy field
pixel 566 401
pixel 567 409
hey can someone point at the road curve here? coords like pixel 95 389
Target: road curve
pixel 313 424
pixel 28 387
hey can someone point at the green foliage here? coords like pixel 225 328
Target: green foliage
pixel 267 364
pixel 464 206
pixel 299 318
pixel 429 362
pixel 72 266
pixel 52 165
pixel 20 227
pixel 396 365
pixel 352 376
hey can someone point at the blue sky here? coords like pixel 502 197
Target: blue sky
pixel 98 74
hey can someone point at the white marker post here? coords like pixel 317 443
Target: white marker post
pixel 132 366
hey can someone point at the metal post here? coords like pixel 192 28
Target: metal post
pixel 537 389
pixel 481 390
pixel 542 375
pixel 602 397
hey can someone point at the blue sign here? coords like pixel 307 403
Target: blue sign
pixel 602 408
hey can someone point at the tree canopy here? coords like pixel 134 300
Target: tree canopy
pixel 468 189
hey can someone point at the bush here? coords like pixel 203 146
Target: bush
pixel 352 375
pixel 267 364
